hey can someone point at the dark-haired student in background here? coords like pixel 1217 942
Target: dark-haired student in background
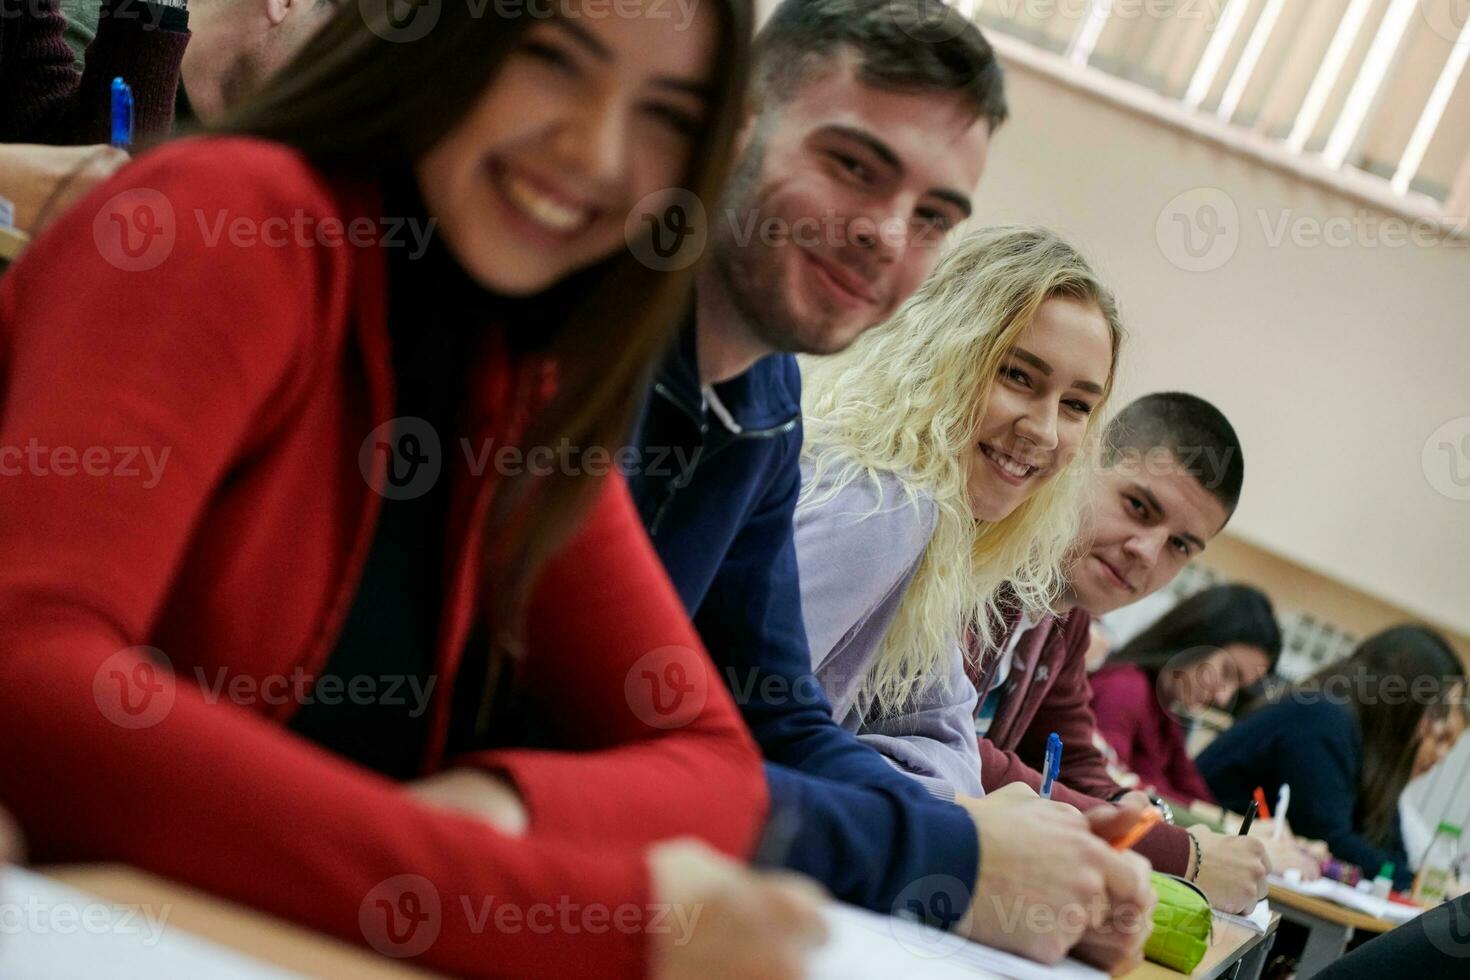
pixel 1347 740
pixel 867 133
pixel 295 375
pixel 1200 654
pixel 1172 475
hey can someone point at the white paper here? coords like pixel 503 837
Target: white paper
pixel 1259 919
pixel 866 946
pixel 50 931
pixel 1365 902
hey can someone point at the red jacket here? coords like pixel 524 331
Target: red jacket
pixel 1147 738
pixel 1051 694
pixel 261 370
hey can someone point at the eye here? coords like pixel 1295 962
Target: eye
pixel 1017 375
pixel 1180 545
pixel 1079 406
pixel 552 55
pixel 853 166
pixel 681 122
pixel 1136 506
pixel 935 219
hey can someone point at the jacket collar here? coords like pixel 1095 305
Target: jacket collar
pixel 766 397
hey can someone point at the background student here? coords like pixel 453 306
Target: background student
pixel 285 535
pixel 1200 654
pixel 1171 476
pixel 858 120
pixel 938 465
pixel 1347 740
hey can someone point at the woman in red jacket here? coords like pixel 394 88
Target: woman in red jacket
pixel 305 504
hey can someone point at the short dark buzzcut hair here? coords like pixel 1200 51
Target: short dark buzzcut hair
pixel 1194 432
pixel 902 45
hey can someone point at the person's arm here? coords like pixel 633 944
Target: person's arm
pixel 1067 710
pixel 934 741
pixel 1322 768
pixel 142 43
pixel 43 181
pixel 37 73
pixel 862 829
pixel 1166 847
pixel 198 356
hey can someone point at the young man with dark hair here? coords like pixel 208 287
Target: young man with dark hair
pixel 1172 475
pixel 867 132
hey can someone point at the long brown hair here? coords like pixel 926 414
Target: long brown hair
pixel 357 103
pixel 1389 717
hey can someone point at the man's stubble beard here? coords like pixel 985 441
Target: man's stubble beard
pixel 751 273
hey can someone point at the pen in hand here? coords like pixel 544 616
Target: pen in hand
pixel 1250 816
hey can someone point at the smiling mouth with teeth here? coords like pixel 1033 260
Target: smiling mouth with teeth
pixel 1008 464
pixel 552 214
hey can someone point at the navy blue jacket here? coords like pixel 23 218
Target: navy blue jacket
pixel 1315 747
pixel 719 510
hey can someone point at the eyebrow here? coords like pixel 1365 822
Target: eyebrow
pixel 1147 494
pixel 1021 353
pixel 602 53
pixel 885 153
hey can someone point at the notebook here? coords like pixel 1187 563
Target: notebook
pixel 865 946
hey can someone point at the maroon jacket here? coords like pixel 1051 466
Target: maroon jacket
pixel 1047 692
pixel 46 100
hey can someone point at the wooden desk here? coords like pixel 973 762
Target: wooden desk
pixel 245 930
pixel 1330 927
pixel 1235 952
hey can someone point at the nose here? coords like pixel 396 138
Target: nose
pixel 592 140
pixel 1145 546
pixel 1038 425
pixel 881 231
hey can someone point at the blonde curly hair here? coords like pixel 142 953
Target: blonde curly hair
pixel 904 400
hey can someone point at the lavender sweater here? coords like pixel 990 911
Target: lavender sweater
pixel 858 552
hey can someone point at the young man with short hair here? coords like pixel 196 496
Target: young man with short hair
pixel 1171 479
pixel 867 132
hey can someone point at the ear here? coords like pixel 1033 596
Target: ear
pixel 276 11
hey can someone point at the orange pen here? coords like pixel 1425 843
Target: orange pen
pixel 1134 834
pixel 1265 811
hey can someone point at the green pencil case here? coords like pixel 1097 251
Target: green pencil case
pixel 1182 922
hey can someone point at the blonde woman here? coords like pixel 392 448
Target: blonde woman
pixel 944 456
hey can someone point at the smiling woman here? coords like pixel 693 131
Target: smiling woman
pixel 942 460
pixel 312 522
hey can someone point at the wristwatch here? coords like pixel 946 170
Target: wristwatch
pixel 1162 805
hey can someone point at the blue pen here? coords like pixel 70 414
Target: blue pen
pixel 1053 764
pixel 122 114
